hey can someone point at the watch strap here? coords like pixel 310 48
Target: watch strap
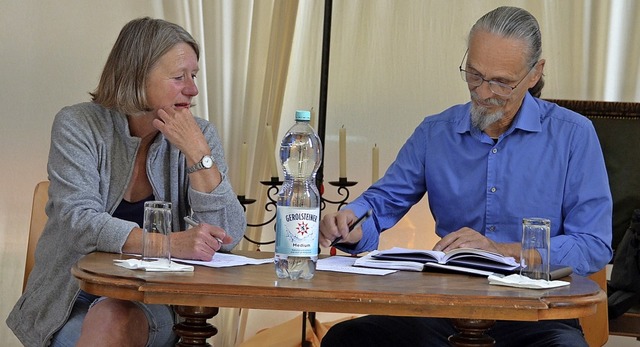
pixel 196 167
pixel 199 165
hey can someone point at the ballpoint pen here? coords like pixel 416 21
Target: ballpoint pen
pixel 356 224
pixel 193 223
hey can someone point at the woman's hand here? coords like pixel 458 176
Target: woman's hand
pixel 200 242
pixel 180 128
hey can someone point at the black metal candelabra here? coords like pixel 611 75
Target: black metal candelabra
pixel 270 205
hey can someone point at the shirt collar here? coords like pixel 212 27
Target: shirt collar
pixel 529 116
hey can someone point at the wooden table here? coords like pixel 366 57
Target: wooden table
pixel 470 301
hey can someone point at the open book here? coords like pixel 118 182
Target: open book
pixel 470 260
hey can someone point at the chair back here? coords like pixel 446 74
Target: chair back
pixel 618 127
pixel 38 220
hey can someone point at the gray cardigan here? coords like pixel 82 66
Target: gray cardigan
pixel 90 164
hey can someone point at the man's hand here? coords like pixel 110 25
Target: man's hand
pixel 336 224
pixel 469 238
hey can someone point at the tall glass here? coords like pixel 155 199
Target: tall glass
pixel 536 240
pixel 156 244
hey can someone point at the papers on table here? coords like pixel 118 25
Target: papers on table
pixel 220 260
pixel 226 260
pixel 335 263
pixel 339 263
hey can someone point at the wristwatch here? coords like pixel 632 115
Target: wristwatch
pixel 205 163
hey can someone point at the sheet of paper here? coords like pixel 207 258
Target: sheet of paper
pixel 516 280
pixel 339 263
pixel 226 260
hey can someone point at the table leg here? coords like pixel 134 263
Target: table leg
pixel 194 330
pixel 471 332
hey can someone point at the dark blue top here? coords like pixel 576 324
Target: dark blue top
pixel 132 211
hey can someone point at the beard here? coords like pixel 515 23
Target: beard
pixel 481 117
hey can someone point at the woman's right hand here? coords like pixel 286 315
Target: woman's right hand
pixel 199 243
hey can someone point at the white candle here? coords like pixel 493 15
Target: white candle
pixel 375 163
pixel 243 169
pixel 342 143
pixel 271 151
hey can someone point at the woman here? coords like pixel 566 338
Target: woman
pixel 137 141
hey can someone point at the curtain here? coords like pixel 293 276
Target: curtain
pixel 391 64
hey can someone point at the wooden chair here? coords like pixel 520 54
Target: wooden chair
pixel 596 326
pixel 38 220
pixel 618 128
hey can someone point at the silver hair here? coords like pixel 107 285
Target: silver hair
pixel 515 23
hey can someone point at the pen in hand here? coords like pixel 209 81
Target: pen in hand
pixel 356 224
pixel 192 222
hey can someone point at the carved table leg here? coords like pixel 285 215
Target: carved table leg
pixel 471 332
pixel 194 330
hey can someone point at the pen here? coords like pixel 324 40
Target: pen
pixel 193 223
pixel 356 224
pixel 190 221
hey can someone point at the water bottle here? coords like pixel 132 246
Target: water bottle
pixel 298 208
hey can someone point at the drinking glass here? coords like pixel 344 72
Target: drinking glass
pixel 536 234
pixel 156 244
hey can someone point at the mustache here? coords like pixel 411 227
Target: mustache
pixel 489 101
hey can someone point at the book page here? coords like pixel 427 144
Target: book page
pixel 479 254
pixel 418 255
pixel 370 260
pixel 339 263
pixel 464 257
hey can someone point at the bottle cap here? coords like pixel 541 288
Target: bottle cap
pixel 303 115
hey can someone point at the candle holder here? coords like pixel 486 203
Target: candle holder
pixel 342 183
pixel 271 205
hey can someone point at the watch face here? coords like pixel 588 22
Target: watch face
pixel 207 162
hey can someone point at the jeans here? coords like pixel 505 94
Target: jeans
pixel 160 317
pixel 417 331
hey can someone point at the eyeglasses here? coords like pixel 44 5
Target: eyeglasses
pixel 496 87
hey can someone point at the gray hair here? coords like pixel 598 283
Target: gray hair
pixel 140 44
pixel 515 23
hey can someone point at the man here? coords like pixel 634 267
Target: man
pixel 486 165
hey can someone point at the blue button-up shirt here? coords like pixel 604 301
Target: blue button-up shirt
pixel 548 164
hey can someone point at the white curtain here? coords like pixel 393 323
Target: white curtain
pixel 391 64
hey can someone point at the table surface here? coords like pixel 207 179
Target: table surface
pixel 402 293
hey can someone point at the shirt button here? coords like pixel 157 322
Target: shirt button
pixel 494 151
pixel 492 228
pixel 493 189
